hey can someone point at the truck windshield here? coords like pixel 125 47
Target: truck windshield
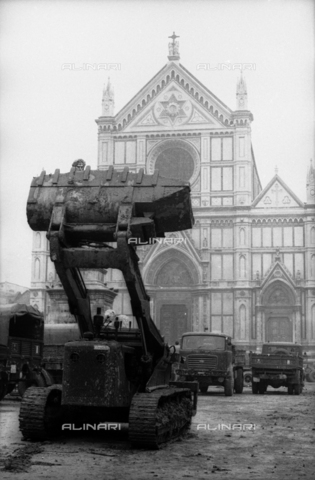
pixel 281 348
pixel 203 342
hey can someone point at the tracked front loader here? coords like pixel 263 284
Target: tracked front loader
pixel 110 374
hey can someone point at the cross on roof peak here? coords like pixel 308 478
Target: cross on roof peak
pixel 173 48
pixel 174 36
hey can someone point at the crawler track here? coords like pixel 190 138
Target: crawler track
pixel 159 417
pixel 40 412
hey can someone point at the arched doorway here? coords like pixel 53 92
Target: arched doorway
pixel 279 313
pixel 173 276
pixel 279 329
pixel 174 315
pixel 173 321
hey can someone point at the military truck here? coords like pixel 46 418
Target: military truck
pixel 211 359
pixel 279 365
pixel 21 349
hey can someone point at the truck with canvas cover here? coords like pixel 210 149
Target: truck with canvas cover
pixel 95 219
pixel 211 359
pixel 21 348
pixel 278 365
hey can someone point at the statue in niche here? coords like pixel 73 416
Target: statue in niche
pixel 277 256
pixel 205 242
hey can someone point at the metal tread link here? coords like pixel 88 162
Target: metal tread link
pixel 159 417
pixel 35 420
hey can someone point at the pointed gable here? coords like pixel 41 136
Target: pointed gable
pixel 173 98
pixel 277 195
pixel 173 108
pixel 175 246
pixel 277 271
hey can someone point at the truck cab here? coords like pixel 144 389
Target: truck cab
pixel 210 359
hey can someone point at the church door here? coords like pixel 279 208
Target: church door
pixel 173 322
pixel 279 329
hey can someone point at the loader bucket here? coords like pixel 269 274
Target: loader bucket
pixel 92 198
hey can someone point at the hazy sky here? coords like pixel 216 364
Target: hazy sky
pixel 48 113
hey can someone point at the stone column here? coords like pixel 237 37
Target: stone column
pixel 297 323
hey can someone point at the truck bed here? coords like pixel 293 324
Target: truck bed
pixel 275 362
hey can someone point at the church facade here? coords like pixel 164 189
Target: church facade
pixel 247 267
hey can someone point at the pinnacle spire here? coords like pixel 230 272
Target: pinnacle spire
pixel 310 184
pixel 109 90
pixel 311 173
pixel 241 93
pixel 108 100
pixel 241 87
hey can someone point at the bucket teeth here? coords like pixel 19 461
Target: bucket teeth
pixel 93 197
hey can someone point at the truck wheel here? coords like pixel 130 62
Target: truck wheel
pixel 203 388
pixel 239 381
pixel 261 388
pixel 248 378
pixel 290 389
pixel 255 387
pixel 297 389
pixel 229 385
pixel 311 376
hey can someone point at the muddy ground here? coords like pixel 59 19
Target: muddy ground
pixel 280 446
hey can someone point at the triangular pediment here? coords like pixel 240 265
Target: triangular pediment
pixel 172 109
pixel 173 99
pixel 277 271
pixel 277 195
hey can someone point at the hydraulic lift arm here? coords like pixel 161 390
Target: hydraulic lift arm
pixel 85 209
